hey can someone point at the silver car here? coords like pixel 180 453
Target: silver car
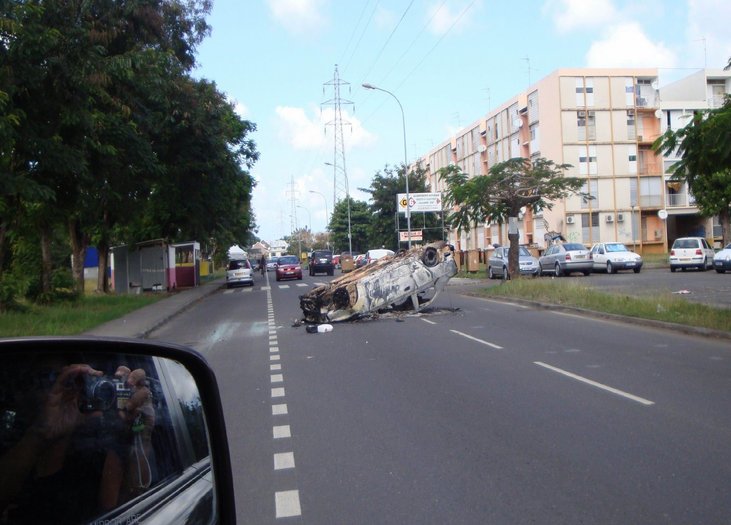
pixel 497 264
pixel 566 258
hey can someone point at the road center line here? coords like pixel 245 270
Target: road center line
pixel 287 503
pixel 491 345
pixel 637 399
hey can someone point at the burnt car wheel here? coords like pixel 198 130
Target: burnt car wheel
pixel 430 257
pixel 490 273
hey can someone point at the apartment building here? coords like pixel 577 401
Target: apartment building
pixel 603 122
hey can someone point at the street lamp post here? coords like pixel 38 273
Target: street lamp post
pixel 347 196
pixel 309 215
pixel 406 162
pixel 327 216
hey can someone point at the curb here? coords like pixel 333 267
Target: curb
pixel 665 325
pixel 211 289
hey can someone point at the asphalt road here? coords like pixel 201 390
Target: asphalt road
pixel 475 412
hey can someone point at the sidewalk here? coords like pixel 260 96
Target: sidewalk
pixel 140 323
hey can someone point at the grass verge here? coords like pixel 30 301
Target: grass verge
pixel 671 310
pixel 72 318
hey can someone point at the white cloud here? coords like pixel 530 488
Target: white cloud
pixel 307 133
pixel 626 45
pixel 442 16
pixel 569 15
pixel 240 109
pixel 384 18
pixel 298 16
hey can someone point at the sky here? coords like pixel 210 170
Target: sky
pixel 447 62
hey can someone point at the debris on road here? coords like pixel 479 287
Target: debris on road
pixel 409 280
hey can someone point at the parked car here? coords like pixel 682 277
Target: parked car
pixel 497 264
pixel 135 430
pixel 566 258
pixel 288 267
pixel 722 259
pixel 239 272
pixel 613 256
pixel 691 252
pixel 321 261
pixel 374 255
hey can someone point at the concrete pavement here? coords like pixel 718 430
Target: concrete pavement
pixel 140 323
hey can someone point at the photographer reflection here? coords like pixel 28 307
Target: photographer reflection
pixel 87 446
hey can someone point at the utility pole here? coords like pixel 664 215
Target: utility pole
pixel 340 186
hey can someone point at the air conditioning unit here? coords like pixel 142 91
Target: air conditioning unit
pixel 620 217
pixel 610 218
pixel 570 219
pixel 482 148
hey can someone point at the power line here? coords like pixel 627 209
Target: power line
pixel 393 31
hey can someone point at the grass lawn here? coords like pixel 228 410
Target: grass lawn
pixel 72 318
pixel 673 310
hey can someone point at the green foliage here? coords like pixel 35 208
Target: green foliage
pixel 106 137
pixel 704 148
pixel 509 187
pixel 384 190
pixel 359 224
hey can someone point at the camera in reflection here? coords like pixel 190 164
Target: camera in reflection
pixel 104 393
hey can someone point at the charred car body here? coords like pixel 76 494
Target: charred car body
pixel 408 280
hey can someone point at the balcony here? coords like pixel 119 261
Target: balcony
pixel 679 200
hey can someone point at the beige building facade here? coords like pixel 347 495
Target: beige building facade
pixel 602 122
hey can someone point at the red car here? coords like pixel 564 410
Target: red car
pixel 288 267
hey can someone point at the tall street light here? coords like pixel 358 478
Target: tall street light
pixel 308 214
pixel 406 162
pixel 327 216
pixel 347 196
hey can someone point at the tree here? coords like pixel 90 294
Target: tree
pixel 508 187
pixel 384 190
pixel 359 222
pixel 704 148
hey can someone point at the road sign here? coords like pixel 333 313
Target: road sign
pixel 416 235
pixel 419 202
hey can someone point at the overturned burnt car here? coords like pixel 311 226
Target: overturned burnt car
pixel 409 280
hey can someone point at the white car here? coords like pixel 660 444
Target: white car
pixel 611 257
pixel 691 252
pixel 722 259
pixel 239 272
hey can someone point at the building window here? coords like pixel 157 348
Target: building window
pixel 590 194
pixel 589 227
pixel 649 194
pixel 587 161
pixel 586 122
pixel 631 127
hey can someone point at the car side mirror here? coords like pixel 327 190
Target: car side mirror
pixel 110 431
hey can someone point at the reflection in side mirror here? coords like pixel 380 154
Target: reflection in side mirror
pixel 109 431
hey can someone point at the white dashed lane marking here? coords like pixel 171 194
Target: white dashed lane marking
pixel 486 343
pixel 287 503
pixel 601 386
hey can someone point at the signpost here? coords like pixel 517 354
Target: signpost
pixel 416 235
pixel 420 202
